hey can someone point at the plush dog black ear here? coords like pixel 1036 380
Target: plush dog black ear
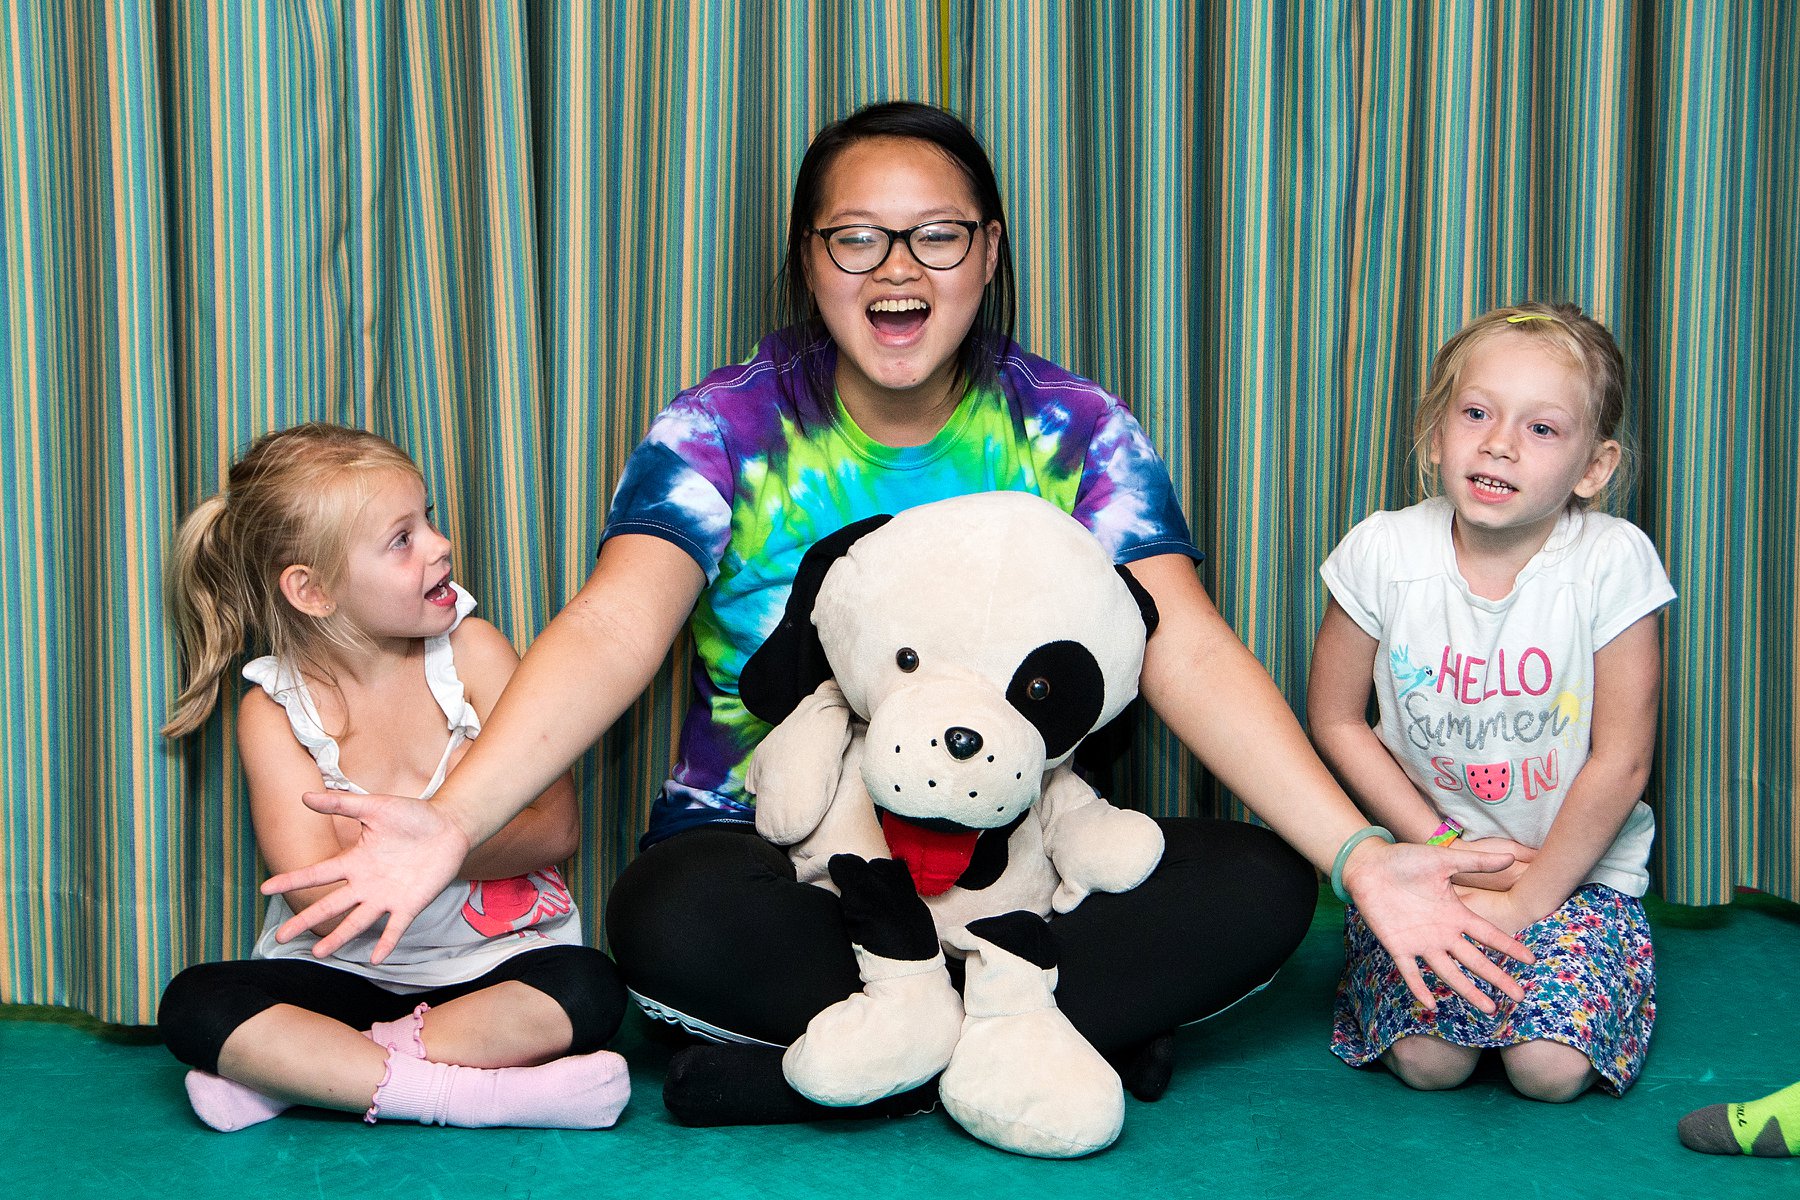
pixel 1146 605
pixel 790 665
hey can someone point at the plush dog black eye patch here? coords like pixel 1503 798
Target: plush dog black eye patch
pixel 1060 689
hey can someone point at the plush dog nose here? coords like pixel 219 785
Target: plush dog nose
pixel 964 744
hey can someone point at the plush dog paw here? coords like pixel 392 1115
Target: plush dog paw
pixel 1022 1078
pixel 1096 847
pixel 795 770
pixel 883 913
pixel 899 1030
pixel 893 1035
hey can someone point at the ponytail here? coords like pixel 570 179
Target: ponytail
pixel 207 602
pixel 293 497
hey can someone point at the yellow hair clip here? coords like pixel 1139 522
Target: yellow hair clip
pixel 1521 318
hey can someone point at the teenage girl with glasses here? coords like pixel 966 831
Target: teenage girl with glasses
pixel 893 382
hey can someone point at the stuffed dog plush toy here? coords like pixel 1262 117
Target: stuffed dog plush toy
pixel 929 683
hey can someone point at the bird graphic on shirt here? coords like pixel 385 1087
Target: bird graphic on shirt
pixel 1407 677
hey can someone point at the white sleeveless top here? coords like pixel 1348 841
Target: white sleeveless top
pixel 473 925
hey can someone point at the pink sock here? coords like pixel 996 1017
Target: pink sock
pixel 229 1106
pixel 586 1091
pixel 407 1035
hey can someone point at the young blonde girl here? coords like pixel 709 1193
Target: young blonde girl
pixel 1509 634
pixel 321 548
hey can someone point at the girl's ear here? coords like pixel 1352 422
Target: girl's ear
pixel 993 250
pixel 300 588
pixel 1600 469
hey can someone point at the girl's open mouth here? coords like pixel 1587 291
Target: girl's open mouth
pixel 441 594
pixel 1490 487
pixel 898 320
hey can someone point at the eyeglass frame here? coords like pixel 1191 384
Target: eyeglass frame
pixel 902 236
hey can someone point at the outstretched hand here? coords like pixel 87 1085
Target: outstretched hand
pixel 407 853
pixel 1405 896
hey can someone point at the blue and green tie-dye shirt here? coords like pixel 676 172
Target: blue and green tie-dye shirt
pixel 734 475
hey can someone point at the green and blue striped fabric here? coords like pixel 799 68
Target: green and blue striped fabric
pixel 505 234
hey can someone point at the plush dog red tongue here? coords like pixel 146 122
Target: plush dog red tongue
pixel 936 860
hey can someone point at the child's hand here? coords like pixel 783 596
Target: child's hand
pixel 1507 910
pixel 1495 881
pixel 409 851
pixel 1404 894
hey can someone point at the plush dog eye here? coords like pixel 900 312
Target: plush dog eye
pixel 907 659
pixel 1061 690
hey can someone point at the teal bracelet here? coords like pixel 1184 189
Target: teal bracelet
pixel 1343 855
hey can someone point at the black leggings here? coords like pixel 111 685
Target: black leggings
pixel 205 1004
pixel 713 924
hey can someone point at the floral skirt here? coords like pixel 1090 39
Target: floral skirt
pixel 1593 987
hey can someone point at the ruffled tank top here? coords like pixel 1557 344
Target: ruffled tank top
pixel 473 925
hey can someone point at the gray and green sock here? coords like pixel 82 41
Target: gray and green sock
pixel 1767 1128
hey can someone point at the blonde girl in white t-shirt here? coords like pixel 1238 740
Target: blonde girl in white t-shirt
pixel 1509 634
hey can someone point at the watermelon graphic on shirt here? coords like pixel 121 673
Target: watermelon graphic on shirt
pixel 1490 782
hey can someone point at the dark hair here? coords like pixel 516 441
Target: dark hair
pixel 803 330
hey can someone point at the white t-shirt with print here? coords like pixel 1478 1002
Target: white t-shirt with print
pixel 1486 703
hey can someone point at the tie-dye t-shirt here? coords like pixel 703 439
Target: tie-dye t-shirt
pixel 733 474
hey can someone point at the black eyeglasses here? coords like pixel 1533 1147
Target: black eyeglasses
pixel 859 249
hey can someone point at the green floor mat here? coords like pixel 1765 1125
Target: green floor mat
pixel 1259 1107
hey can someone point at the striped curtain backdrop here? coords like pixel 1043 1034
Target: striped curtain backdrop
pixel 505 234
